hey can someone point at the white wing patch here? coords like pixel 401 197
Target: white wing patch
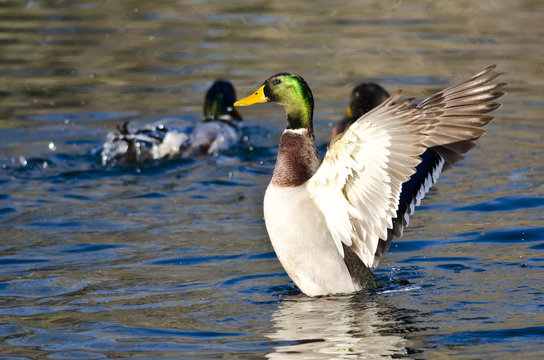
pixel 338 210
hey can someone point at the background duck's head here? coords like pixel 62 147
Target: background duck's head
pixel 219 102
pixel 292 93
pixel 364 97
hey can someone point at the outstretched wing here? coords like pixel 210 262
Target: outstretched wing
pixel 359 184
pixel 433 161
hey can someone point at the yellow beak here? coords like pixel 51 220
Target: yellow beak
pixel 257 98
pixel 348 112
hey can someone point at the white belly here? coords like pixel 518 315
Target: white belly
pixel 303 243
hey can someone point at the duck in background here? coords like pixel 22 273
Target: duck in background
pixel 364 97
pixel 220 129
pixel 331 221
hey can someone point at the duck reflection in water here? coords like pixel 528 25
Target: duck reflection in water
pixel 220 130
pixel 338 327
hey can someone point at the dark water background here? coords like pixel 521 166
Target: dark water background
pixel 172 260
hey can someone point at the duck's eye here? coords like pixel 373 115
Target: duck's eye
pixel 276 82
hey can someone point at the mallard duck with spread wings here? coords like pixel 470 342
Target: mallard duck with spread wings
pixel 331 221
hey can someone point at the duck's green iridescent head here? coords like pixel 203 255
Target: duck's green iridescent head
pixel 292 93
pixel 219 102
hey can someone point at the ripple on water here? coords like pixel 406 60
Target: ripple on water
pixel 19 265
pixel 104 337
pixel 194 260
pixel 504 236
pixel 41 288
pixel 411 245
pixel 506 203
pixel 456 264
pixel 491 336
pixel 438 259
pixel 85 248
pixel 151 195
pixel 537 247
pixel 23 261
